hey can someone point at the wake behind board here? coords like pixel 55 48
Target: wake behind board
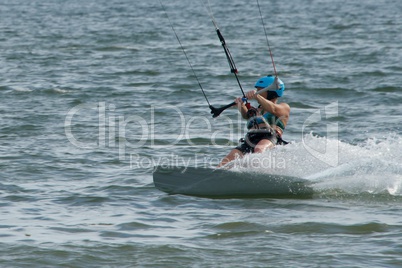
pixel 226 183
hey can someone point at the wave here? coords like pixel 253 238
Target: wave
pixel 335 167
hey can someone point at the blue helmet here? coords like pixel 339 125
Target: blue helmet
pixel 269 82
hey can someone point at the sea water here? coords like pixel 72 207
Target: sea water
pixel 94 94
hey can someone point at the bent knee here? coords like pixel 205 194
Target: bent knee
pixel 263 146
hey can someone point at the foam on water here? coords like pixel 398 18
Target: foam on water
pixel 370 167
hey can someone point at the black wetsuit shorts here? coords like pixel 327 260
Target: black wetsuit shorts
pixel 254 136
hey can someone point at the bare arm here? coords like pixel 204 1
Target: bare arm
pixel 281 110
pixel 241 107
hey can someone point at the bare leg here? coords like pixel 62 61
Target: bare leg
pixel 231 156
pixel 262 146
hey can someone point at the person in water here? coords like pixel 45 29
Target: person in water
pixel 266 123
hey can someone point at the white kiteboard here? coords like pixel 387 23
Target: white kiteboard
pixel 199 181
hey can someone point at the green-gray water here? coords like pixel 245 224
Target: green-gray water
pixel 95 93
